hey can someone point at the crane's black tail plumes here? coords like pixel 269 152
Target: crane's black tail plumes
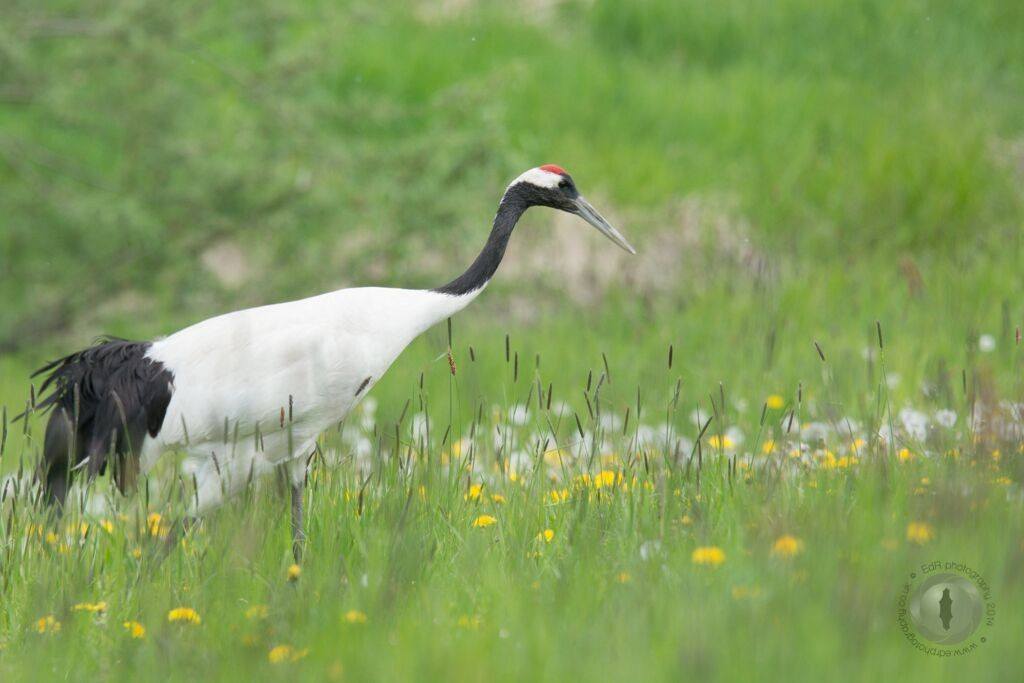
pixel 104 400
pixel 60 453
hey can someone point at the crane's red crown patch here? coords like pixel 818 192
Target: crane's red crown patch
pixel 551 168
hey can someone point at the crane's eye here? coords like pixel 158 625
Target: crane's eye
pixel 564 184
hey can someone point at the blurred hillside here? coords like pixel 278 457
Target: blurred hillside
pixel 179 159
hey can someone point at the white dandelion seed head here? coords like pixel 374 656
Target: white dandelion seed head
pixel 885 434
pixel 518 414
pixel 816 430
pixel 650 550
pixel 699 416
pixel 915 423
pixel 561 408
pixel 418 426
pixel 611 422
pixel 646 436
pixel 519 462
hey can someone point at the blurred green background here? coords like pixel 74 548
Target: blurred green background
pixel 162 162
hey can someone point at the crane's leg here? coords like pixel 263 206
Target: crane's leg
pixel 180 528
pixel 55 468
pixel 297 477
pixel 298 532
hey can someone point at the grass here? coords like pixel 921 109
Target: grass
pixel 668 557
pixel 791 172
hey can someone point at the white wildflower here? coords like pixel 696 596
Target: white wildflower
pixel 915 423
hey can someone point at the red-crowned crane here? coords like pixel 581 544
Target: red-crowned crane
pixel 319 356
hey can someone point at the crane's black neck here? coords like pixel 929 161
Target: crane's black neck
pixel 515 202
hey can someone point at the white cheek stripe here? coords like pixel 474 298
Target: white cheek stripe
pixel 538 177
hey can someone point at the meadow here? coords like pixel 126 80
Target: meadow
pixel 719 459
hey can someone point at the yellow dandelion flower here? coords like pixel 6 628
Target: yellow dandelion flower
pixel 744 592
pixel 48 625
pixel 996 455
pixel 294 572
pixel 829 461
pixel 606 478
pixel 623 577
pixel 281 654
pixel 93 607
pixel 1003 481
pixel 768 447
pixel 717 441
pixel 555 457
pixel 497 498
pixel 470 622
pixel 107 526
pixel 136 553
pixel 51 538
pixel 920 532
pixel 787 546
pixel 79 528
pixel 135 629
pixel 257 612
pixel 546 535
pixel 354 616
pixel 708 555
pixel 775 402
pixel 559 495
pixel 484 521
pixel 474 492
pixel 686 520
pixel 905 455
pixel 185 615
pixel 155 524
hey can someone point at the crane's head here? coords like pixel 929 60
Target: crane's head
pixel 552 186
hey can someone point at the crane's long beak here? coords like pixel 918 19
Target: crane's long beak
pixel 590 215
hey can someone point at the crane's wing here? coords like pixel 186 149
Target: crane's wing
pixel 111 395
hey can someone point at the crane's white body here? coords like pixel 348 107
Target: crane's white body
pixel 249 391
pixel 241 369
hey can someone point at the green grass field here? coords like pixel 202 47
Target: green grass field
pixel 539 548
pixel 792 173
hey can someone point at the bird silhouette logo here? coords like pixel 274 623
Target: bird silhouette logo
pixel 946 609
